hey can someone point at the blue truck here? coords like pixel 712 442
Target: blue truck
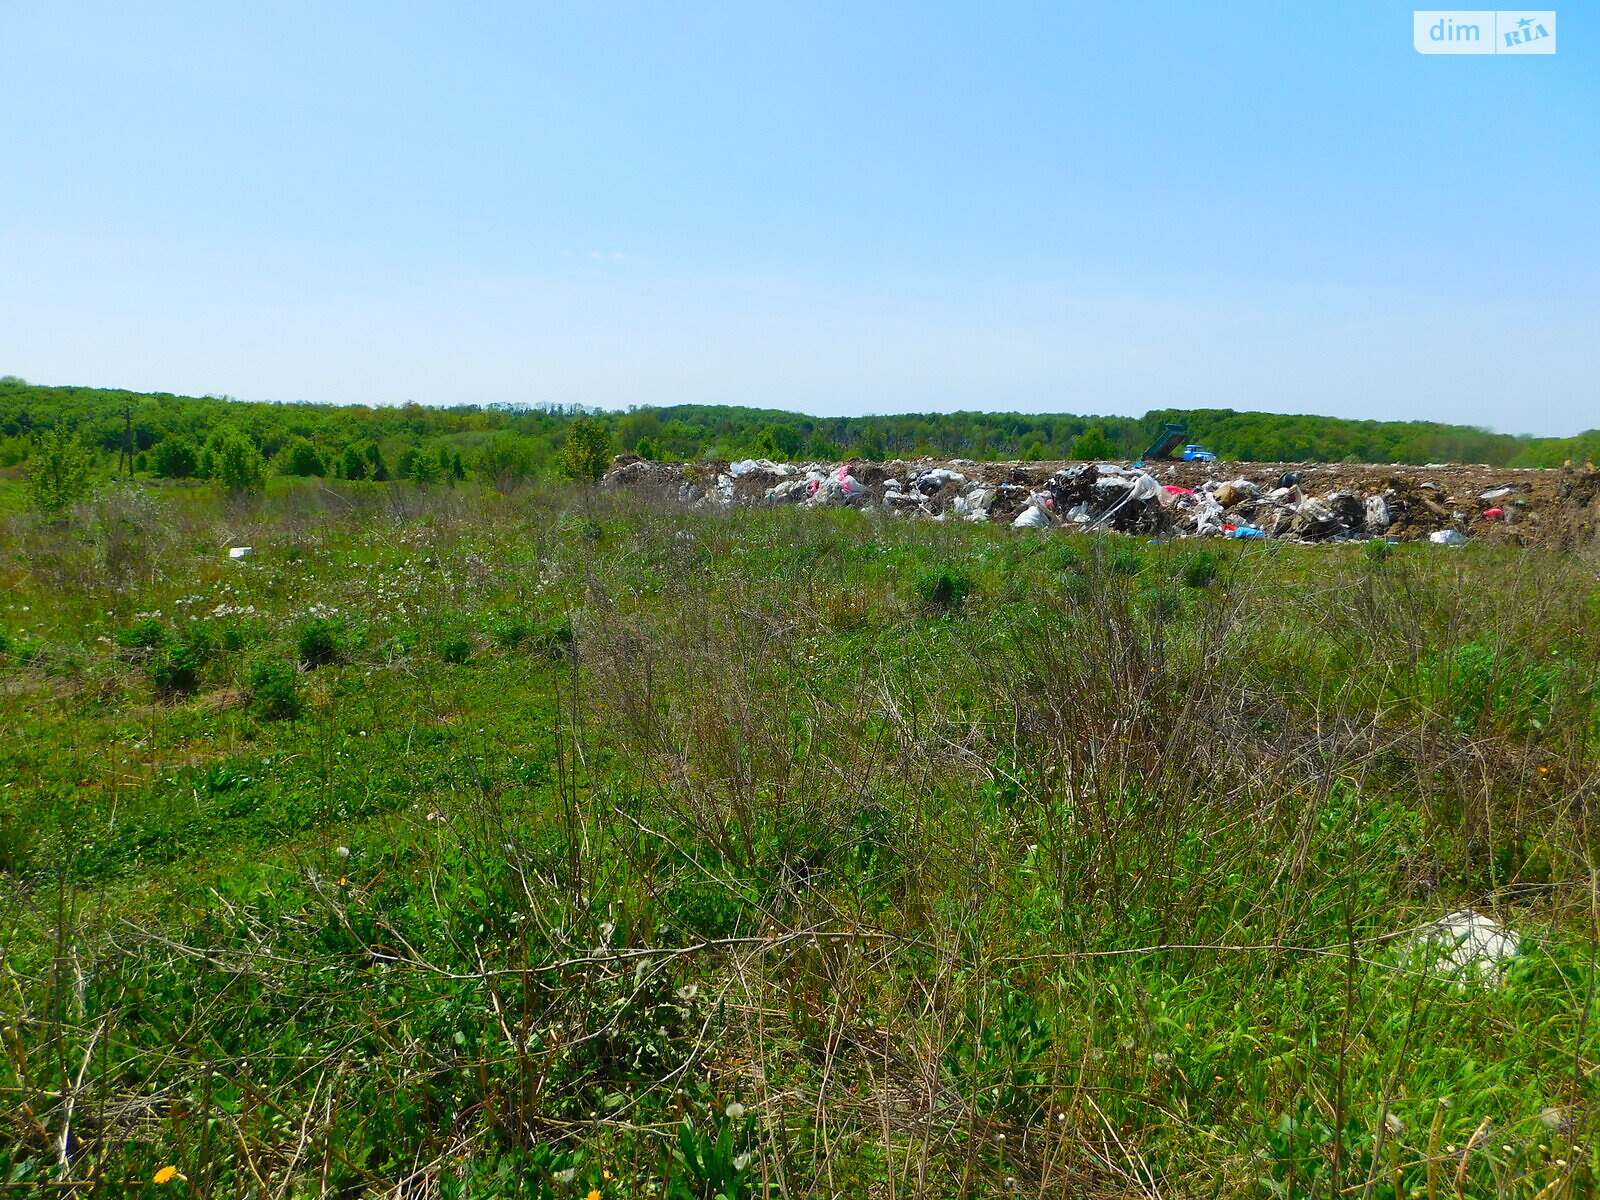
pixel 1166 446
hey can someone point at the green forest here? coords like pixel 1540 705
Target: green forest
pixel 189 437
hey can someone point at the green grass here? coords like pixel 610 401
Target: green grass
pixel 477 847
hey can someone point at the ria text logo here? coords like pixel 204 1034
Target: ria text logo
pixel 1484 32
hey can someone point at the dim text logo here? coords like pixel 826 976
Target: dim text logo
pixel 1486 32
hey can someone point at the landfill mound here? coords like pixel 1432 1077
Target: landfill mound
pixel 1297 502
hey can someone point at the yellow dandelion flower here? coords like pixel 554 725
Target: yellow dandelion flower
pixel 593 1195
pixel 166 1174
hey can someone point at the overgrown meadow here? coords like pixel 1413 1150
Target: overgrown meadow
pixel 571 844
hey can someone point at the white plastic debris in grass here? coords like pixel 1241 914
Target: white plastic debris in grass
pixel 932 481
pixel 788 492
pixel 974 505
pixel 1448 537
pixel 238 552
pixel 837 489
pixel 746 465
pixel 1032 517
pixel 1467 945
pixel 1208 516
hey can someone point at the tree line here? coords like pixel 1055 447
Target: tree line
pixel 241 444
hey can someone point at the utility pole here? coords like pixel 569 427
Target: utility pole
pixel 127 436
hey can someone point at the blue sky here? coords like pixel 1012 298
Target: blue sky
pixel 834 208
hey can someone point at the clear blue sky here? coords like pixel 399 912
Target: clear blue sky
pixel 835 208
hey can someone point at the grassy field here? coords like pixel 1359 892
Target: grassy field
pixel 465 846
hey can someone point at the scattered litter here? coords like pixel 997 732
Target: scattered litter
pixel 1284 502
pixel 1468 945
pixel 237 552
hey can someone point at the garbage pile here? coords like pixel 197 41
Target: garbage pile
pixel 1445 503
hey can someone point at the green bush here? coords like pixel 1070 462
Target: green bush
pixel 177 671
pixel 233 460
pixel 586 453
pixel 555 635
pixel 506 462
pixel 58 471
pixel 321 641
pixel 274 690
pixel 509 630
pixel 301 458
pixel 945 590
pixel 1092 444
pixel 1161 604
pixel 1119 557
pixel 455 650
pixel 146 634
pixel 175 457
pixel 1201 570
